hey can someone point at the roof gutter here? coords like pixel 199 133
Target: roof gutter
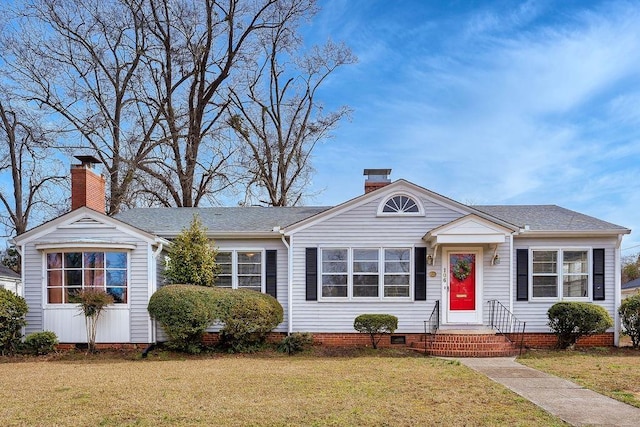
pixel 228 235
pixel 572 233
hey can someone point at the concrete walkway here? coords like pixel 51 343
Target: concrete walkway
pixel 572 403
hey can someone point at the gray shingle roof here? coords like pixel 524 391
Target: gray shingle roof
pixel 632 284
pixel 168 222
pixel 547 218
pixel 7 272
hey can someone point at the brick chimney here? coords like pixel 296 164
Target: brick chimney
pixel 376 178
pixel 87 186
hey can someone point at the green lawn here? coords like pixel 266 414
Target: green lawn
pixel 269 390
pixel 609 371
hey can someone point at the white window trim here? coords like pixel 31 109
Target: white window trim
pixel 560 263
pixel 401 214
pixel 234 266
pixel 381 274
pixel 58 249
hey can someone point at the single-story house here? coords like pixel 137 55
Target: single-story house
pixel 10 280
pixel 440 266
pixel 630 288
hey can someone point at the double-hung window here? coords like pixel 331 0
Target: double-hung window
pixel 560 273
pixel 70 272
pixel 335 272
pixel 361 273
pixel 241 270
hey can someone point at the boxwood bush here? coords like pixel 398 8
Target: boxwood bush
pixel 186 311
pixel 13 309
pixel 572 320
pixel 630 317
pixel 248 317
pixel 375 325
pixel 40 343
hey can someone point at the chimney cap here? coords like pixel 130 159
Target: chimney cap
pixel 377 172
pixel 87 160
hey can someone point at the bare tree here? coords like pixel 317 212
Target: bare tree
pixel 27 170
pixel 279 120
pixel 81 59
pixel 630 267
pixel 201 46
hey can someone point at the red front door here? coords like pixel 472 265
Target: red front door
pixel 462 281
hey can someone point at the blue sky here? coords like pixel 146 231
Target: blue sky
pixel 489 102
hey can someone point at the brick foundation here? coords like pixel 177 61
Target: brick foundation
pixel 547 340
pixel 102 346
pixel 531 340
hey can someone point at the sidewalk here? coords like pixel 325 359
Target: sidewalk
pixel 572 403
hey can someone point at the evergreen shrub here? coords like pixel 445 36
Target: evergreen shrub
pixel 13 309
pixel 570 321
pixel 375 325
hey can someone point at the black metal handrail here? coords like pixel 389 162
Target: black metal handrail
pixel 431 326
pixel 503 321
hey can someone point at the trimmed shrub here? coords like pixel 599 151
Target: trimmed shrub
pixel 630 317
pixel 295 343
pixel 13 310
pixel 185 312
pixel 375 325
pixel 571 320
pixel 40 343
pixel 248 317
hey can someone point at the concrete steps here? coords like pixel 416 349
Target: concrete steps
pixel 460 344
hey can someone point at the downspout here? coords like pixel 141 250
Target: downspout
pixel 511 273
pixel 154 258
pixel 617 292
pixel 159 250
pixel 289 282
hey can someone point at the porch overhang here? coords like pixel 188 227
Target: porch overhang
pixel 470 229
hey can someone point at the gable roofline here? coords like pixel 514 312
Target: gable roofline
pixel 388 190
pixel 85 213
pixel 452 224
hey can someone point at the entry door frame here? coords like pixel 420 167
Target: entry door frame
pixel 462 317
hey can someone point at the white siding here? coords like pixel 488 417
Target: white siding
pixel 138 324
pixel 246 244
pixel 535 312
pixel 360 226
pixel 69 325
pixel 282 271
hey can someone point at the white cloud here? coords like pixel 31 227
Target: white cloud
pixel 504 107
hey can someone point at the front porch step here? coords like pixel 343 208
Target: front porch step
pixel 465 345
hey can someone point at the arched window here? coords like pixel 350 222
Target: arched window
pixel 400 204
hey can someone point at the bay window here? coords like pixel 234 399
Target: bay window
pixel 70 272
pixel 360 273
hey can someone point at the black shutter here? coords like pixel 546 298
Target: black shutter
pixel 522 274
pixel 311 276
pixel 598 274
pixel 420 276
pixel 271 264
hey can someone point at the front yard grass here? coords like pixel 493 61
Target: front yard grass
pixel 614 372
pixel 258 390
